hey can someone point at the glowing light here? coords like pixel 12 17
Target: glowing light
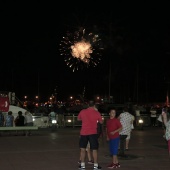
pixel 80 49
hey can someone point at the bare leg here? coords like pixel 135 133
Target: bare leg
pixel 127 143
pixel 82 154
pixel 89 153
pixel 115 160
pixel 95 156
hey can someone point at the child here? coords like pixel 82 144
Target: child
pixel 113 126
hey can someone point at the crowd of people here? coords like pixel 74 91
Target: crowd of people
pixel 118 132
pixel 20 120
pixel 25 118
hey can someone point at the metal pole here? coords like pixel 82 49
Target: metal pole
pixel 109 80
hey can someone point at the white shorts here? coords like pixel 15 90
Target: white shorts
pixel 128 136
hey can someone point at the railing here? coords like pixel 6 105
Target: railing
pixel 70 120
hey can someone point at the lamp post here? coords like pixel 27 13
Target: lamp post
pixel 109 80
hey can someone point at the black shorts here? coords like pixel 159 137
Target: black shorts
pixel 92 139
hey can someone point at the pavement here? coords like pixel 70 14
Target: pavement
pixel 58 150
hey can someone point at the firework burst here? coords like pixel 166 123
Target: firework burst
pixel 81 49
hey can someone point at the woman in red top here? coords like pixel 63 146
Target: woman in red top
pixel 113 126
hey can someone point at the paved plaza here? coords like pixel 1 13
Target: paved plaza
pixel 58 150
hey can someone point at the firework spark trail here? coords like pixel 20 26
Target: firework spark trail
pixel 80 49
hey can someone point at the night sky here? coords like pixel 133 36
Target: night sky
pixel 136 54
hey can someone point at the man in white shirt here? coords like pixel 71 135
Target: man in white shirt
pixel 126 119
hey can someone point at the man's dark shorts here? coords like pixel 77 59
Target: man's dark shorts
pixel 93 140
